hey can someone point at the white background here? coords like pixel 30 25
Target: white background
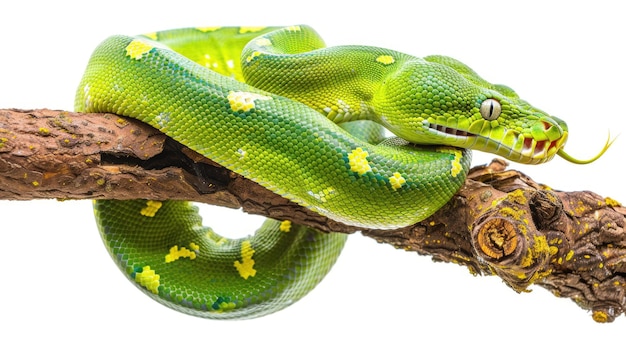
pixel 60 290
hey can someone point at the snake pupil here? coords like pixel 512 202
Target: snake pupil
pixel 490 109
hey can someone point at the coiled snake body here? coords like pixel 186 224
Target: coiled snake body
pixel 305 121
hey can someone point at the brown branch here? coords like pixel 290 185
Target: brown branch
pixel 500 223
pixel 65 155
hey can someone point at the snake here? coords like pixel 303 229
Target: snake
pixel 363 135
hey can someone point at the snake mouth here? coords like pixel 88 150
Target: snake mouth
pixel 450 131
pixel 510 144
pixel 537 151
pixel 539 148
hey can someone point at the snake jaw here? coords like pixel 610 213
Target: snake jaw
pixel 512 145
pixel 535 151
pixel 448 131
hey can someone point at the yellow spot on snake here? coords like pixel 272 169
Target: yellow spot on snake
pixel 253 56
pixel 137 48
pixel 323 195
pixel 243 30
pixel 226 306
pixel 263 42
pixel 148 279
pixel 294 28
pixel 358 161
pixel 245 266
pixel 183 252
pixel 397 180
pixel 244 101
pixel 385 59
pixel 285 226
pixel 152 35
pixel 151 208
pixel 455 164
pixel 207 29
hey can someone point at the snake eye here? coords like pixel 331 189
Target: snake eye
pixel 490 109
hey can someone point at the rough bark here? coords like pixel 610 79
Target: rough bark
pixel 500 223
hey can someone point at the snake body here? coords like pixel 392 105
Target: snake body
pixel 305 121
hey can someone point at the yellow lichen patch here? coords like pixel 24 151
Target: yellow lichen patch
pixel 245 266
pixel 358 161
pixel 518 196
pixel 553 250
pixel 44 131
pixel 522 228
pixel 569 255
pixel 600 316
pixel 183 252
pixel 35 183
pixel 556 241
pixel 539 248
pixel 511 212
pixel 396 181
pixel 252 56
pixel 152 35
pixel 244 30
pixel 148 279
pixel 581 207
pixel 541 245
pixel 243 101
pixel 121 122
pixel 207 29
pixel 385 59
pixel 285 226
pixel 137 48
pixel 151 208
pixel 263 42
pixel 612 202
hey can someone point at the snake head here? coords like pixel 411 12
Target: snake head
pixel 439 100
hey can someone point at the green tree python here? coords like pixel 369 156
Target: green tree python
pixel 307 122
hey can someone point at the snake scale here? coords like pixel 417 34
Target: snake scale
pixel 307 122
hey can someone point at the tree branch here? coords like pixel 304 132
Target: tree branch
pixel 500 223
